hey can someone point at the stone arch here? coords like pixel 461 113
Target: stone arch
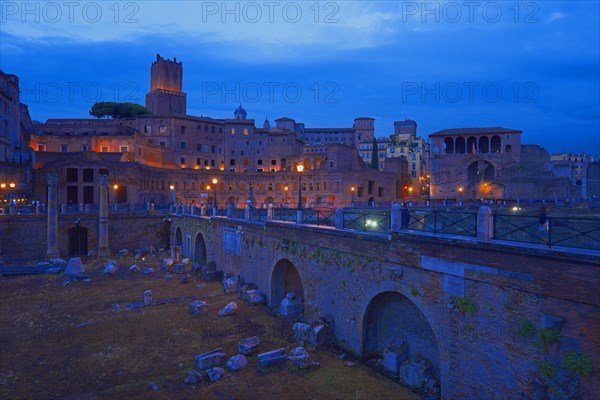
pixel 391 319
pixel 496 144
pixel 285 278
pixel 270 200
pixel 449 145
pixel 200 249
pixel 472 145
pixel 484 144
pixel 460 146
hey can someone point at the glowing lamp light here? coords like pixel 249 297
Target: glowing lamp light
pixel 115 186
pixel 207 187
pixel 172 187
pixel 2 185
pixel 300 168
pixel 214 181
pixel 352 188
pixel 12 185
pixel 371 223
pixel 286 188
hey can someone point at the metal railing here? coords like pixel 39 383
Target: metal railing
pixel 442 222
pixel 324 217
pixel 574 232
pixel 375 221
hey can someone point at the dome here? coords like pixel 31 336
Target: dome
pixel 240 113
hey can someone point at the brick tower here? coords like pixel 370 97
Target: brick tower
pixel 165 96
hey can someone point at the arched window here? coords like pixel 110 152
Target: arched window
pixel 484 144
pixel 241 186
pixel 496 144
pixel 460 145
pixel 449 145
pixel 472 145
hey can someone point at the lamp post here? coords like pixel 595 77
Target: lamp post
pixel 410 190
pixel 214 182
pixel 285 190
pixel 172 197
pixel 116 188
pixel 460 192
pixel 300 169
pixel 352 190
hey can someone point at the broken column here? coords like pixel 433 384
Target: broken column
pixel 103 250
pixel 52 251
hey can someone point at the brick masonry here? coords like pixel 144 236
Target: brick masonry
pixel 23 237
pixel 481 354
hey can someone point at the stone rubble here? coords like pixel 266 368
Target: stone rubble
pixel 299 357
pixel 247 346
pixel 214 374
pixel 229 309
pixel 148 271
pixel 193 377
pixel 210 359
pixel 196 306
pixel 237 362
pixel 110 268
pixel 185 279
pixel 134 269
pixel 271 359
pixel 148 298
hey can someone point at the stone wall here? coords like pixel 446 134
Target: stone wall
pixel 473 296
pixel 23 237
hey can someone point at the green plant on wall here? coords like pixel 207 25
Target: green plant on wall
pixel 578 364
pixel 414 291
pixel 546 337
pixel 527 329
pixel 465 304
pixel 547 369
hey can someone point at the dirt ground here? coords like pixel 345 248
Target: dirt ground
pixel 69 342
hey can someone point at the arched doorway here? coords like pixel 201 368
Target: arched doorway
pixel 285 278
pixel 78 241
pixel 200 249
pixel 393 321
pixel 178 237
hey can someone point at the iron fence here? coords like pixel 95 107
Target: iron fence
pixel 562 231
pixel 442 222
pixel 324 217
pixel 367 221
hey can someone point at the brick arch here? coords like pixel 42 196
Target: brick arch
pixel 422 331
pixel 285 277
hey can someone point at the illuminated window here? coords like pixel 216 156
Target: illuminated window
pixel 246 132
pixel 104 149
pixel 124 149
pixel 232 131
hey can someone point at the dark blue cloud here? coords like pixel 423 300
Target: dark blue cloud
pixel 541 77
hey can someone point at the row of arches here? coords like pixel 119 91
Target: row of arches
pixel 472 145
pixel 390 318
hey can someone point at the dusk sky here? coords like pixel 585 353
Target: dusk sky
pixel 532 66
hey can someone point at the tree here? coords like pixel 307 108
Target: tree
pixel 117 110
pixel 375 155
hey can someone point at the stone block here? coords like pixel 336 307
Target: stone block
pixel 134 269
pixel 320 335
pixel 122 252
pixel 247 346
pixel 148 298
pixel 394 357
pixel 229 284
pixel 299 357
pixel 74 266
pixel 148 271
pixel 211 359
pixel 196 307
pixel 300 331
pixel 229 309
pixel 110 268
pixel 415 374
pixel 291 308
pixel 193 377
pixel 214 374
pixel 237 362
pixel 272 359
pixel 255 296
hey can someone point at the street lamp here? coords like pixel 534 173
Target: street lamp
pixel 12 185
pixel 352 190
pixel 410 190
pixel 214 181
pixel 285 189
pixel 300 169
pixel 116 187
pixel 460 191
